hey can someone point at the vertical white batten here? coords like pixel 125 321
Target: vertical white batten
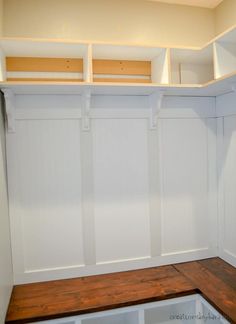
pixel 15 216
pixel 215 62
pixel 141 316
pixel 86 142
pixel 6 273
pixel 221 176
pixel 88 64
pixel 2 66
pixel 155 194
pixel 212 182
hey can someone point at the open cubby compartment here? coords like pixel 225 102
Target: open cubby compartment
pixel 225 54
pixel 32 60
pixel 131 317
pixel 130 64
pixel 189 310
pixel 209 314
pixel 171 312
pixel 189 66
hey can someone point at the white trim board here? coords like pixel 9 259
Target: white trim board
pixel 119 265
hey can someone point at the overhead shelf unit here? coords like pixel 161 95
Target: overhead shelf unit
pixel 52 66
pixel 31 60
pixel 130 64
pixel 192 66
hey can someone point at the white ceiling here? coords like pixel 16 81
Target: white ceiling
pixel 196 3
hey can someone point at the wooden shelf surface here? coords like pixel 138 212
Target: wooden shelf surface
pixel 213 278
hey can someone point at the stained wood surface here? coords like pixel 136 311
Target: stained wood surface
pixel 122 67
pixel 216 285
pixel 222 270
pixel 122 80
pixel 214 278
pixel 41 301
pixel 45 79
pixel 43 64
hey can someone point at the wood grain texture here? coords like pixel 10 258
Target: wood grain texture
pixel 222 270
pixel 213 278
pixel 54 299
pixel 122 67
pixel 45 79
pixel 121 80
pixel 213 284
pixel 43 64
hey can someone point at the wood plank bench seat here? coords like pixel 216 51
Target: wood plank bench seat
pixel 213 278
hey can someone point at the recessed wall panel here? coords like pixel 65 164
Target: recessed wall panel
pixel 185 176
pixel 121 189
pixel 45 191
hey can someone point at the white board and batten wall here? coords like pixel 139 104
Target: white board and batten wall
pixel 6 275
pixel 226 124
pixel 119 196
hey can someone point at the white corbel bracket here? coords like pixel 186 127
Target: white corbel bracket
pixel 155 107
pixel 86 105
pixel 10 109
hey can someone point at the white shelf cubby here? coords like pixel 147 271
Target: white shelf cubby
pixel 225 54
pixel 192 66
pixel 117 63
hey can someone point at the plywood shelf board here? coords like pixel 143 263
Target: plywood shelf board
pixel 45 64
pixel 43 80
pixel 122 67
pixel 122 80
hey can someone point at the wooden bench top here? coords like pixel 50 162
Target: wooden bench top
pixel 213 278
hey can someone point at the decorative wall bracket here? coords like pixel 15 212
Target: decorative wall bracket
pixel 155 107
pixel 86 105
pixel 10 109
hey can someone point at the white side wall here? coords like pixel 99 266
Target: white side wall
pixel 6 276
pixel 226 111
pixel 117 197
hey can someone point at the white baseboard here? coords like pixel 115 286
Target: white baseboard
pixel 228 257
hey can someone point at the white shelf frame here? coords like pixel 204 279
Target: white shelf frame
pixel 223 78
pixel 140 311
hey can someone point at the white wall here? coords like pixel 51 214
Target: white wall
pixel 227 179
pixel 6 277
pixel 135 21
pixel 117 197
